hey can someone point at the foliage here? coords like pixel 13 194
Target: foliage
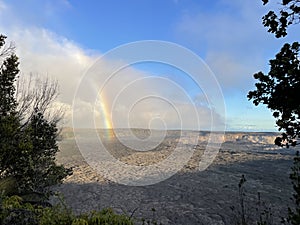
pixel 107 216
pixel 15 211
pixel 244 213
pixel 8 185
pixel 240 217
pixel 36 93
pixel 37 170
pixel 151 221
pixel 27 150
pixel 241 197
pixel 8 70
pixel 278 22
pixel 279 90
pixel 294 214
pixel 9 124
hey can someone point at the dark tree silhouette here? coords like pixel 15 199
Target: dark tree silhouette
pixel 279 90
pixel 278 22
pixel 27 149
pixel 280 87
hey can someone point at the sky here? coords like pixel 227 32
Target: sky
pixel 70 41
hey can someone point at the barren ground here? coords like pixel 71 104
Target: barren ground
pixel 190 196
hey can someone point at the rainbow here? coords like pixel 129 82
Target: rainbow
pixel 105 115
pixel 105 112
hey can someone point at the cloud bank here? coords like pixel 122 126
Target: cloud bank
pixel 132 98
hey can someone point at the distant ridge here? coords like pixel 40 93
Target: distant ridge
pixel 230 136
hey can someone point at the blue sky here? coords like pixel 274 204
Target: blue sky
pixel 226 34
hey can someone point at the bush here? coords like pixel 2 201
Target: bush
pixel 245 214
pixel 294 212
pixel 27 147
pixel 14 211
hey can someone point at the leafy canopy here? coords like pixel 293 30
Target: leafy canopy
pixel 278 22
pixel 280 87
pixel 27 148
pixel 279 90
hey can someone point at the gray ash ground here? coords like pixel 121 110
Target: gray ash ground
pixel 190 196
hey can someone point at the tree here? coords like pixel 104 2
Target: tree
pixel 6 50
pixel 280 87
pixel 27 147
pixel 35 92
pixel 9 123
pixel 278 22
pixel 279 90
pixel 294 214
pixel 36 169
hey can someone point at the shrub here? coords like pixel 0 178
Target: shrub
pixel 15 211
pixel 244 214
pixel 27 147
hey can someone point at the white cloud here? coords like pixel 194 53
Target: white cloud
pixel 231 40
pixel 48 54
pixel 133 98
